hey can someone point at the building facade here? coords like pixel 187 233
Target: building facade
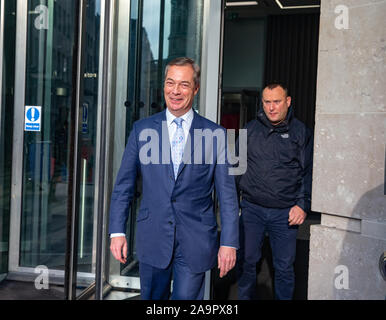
pixel 347 248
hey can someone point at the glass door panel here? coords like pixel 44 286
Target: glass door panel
pixel 159 31
pixel 7 79
pixel 57 75
pixel 49 89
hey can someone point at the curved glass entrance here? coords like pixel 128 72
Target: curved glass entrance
pixel 63 164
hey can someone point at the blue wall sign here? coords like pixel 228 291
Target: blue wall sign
pixel 33 116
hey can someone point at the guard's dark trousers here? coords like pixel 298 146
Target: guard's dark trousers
pixel 255 222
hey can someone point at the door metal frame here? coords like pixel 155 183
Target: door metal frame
pixel 211 58
pixel 116 88
pixel 2 15
pixel 211 70
pixel 103 148
pixel 18 138
pixel 71 263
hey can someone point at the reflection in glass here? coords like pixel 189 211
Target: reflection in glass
pixel 170 29
pixel 6 128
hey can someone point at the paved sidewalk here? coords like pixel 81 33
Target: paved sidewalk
pixel 18 290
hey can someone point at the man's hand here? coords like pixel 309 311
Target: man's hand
pixel 118 247
pixel 296 216
pixel 226 259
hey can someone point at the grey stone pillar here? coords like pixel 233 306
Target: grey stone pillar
pixel 349 154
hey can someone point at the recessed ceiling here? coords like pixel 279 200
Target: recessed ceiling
pixel 268 7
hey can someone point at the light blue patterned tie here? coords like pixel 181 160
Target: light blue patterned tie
pixel 177 145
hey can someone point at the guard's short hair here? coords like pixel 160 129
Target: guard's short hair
pixel 275 84
pixel 184 61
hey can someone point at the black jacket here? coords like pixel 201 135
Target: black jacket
pixel 279 164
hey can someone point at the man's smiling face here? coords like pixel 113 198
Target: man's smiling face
pixel 179 89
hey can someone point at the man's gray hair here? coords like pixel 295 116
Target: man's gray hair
pixel 184 61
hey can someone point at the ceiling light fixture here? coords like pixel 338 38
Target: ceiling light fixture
pixel 296 7
pixel 242 3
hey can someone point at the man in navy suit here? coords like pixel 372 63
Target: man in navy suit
pixel 176 235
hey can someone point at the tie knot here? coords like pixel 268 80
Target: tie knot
pixel 178 122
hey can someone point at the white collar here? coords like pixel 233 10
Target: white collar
pixel 188 117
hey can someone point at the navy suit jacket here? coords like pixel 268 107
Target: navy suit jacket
pixel 182 207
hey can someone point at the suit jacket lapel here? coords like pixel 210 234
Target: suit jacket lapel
pixel 164 144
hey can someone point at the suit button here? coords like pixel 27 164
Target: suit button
pixel 170 222
pixel 173 200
